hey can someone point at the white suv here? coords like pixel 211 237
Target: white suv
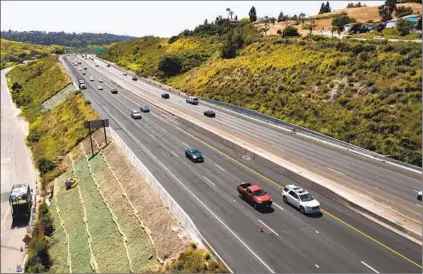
pixel 301 199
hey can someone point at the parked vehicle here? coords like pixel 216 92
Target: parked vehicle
pixel 20 199
pixel 165 95
pixel 301 199
pixel 192 100
pixel 210 113
pixel 194 155
pixel 136 114
pixel 254 195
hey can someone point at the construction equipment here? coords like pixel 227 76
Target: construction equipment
pixel 20 200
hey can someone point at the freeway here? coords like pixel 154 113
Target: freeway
pixel 394 186
pixel 338 241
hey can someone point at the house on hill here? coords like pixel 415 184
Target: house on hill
pixel 411 18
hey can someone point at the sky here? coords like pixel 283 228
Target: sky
pixel 158 18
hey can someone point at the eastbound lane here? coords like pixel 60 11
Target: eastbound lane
pixel 295 240
pixel 348 167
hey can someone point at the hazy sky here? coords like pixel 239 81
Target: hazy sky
pixel 161 18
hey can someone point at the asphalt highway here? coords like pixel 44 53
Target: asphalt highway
pixel 379 180
pixel 337 241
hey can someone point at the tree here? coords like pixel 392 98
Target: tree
pixel 281 17
pixel 253 14
pixel 231 13
pixel 236 18
pixel 404 27
pixel 45 165
pixel 272 20
pixel 327 7
pixel 290 31
pixel 322 8
pixel 385 11
pixel 170 66
pixel 403 11
pixel 340 21
pixel 228 49
pixel 301 17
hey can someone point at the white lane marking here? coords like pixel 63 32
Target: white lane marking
pixel 335 171
pixel 342 163
pixel 174 153
pixel 278 206
pixel 374 270
pixel 317 266
pixel 184 144
pixel 317 232
pixel 162 129
pixel 220 167
pixel 269 228
pixel 376 187
pixel 5 216
pixel 415 191
pixel 419 205
pixel 210 181
pixel 196 198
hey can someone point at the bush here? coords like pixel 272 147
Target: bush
pixel 404 27
pixel 290 31
pixel 403 11
pixel 16 86
pixel 45 165
pixel 172 39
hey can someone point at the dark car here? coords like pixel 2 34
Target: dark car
pixel 145 109
pixel 210 113
pixel 114 91
pixel 108 65
pixel 134 78
pixel 165 95
pixel 194 155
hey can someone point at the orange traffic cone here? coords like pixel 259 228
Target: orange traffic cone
pixel 261 229
pixel 171 154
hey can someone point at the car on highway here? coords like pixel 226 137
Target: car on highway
pixel 91 78
pixel 165 95
pixel 83 73
pixel 136 114
pixel 79 62
pixel 85 68
pixel 145 109
pixel 124 74
pixel 134 78
pixel 419 195
pixel 82 86
pixel 114 91
pixel 192 100
pixel 301 199
pixel 96 65
pixel 108 65
pixel 254 195
pixel 80 69
pixel 379 38
pixel 194 155
pixel 100 80
pixel 100 88
pixel 210 113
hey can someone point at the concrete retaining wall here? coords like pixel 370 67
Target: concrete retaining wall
pixel 174 207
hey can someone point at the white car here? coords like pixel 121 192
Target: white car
pixel 124 74
pixel 301 199
pixel 100 80
pixel 80 69
pixel 91 78
pixel 379 38
pixel 419 195
pixel 100 88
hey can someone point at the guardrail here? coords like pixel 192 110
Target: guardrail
pixel 312 133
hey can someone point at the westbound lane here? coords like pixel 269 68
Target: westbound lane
pixel 159 135
pixel 351 168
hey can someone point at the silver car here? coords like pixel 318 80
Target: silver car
pixel 136 114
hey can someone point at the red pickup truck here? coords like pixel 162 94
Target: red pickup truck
pixel 254 195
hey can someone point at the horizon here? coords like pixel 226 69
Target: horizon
pixel 19 16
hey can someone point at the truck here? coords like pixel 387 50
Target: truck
pixel 254 195
pixel 20 200
pixel 82 84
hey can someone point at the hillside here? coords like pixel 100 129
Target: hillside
pixel 75 40
pixel 365 93
pixel 13 53
pixel 323 22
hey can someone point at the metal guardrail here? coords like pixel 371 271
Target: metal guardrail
pixel 311 133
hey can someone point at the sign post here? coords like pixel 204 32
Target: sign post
pixel 97 124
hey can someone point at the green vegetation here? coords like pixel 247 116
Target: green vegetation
pixel 54 132
pixel 403 11
pixel 13 53
pixel 290 31
pixel 325 8
pixel 74 40
pixel 390 33
pixel 358 5
pixel 195 260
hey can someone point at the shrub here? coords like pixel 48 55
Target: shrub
pixel 290 31
pixel 45 165
pixel 172 39
pixel 404 27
